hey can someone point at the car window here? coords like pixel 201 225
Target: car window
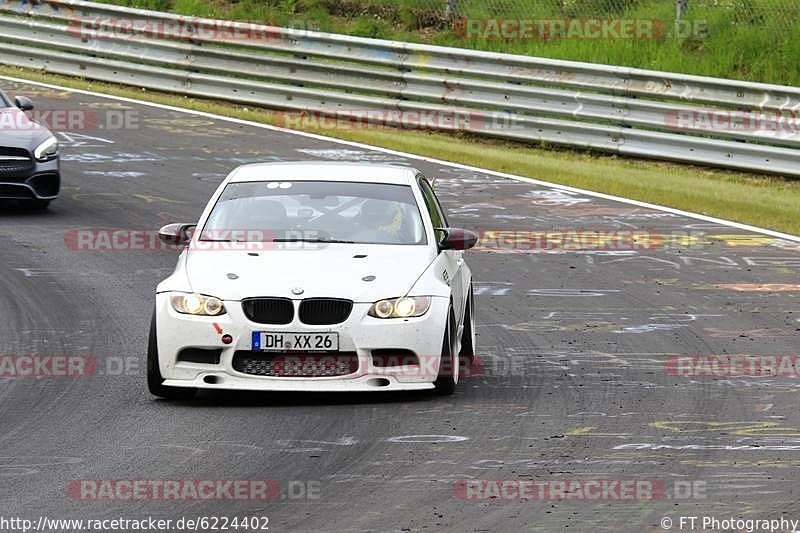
pixel 432 204
pixel 4 101
pixel 369 213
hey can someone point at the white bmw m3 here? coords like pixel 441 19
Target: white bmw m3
pixel 315 277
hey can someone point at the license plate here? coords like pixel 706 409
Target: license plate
pixel 295 342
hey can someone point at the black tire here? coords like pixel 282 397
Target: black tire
pixel 445 383
pixel 35 205
pixel 467 336
pixel 154 379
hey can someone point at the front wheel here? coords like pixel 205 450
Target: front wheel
pixel 155 382
pixel 445 383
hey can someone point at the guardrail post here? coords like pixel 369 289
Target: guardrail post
pixel 451 9
pixel 680 8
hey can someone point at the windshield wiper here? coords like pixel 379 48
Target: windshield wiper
pixel 314 240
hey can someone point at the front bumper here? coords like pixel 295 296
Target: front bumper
pixel 360 334
pixel 32 181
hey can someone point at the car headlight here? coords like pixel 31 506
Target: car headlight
pixel 46 150
pixel 400 307
pixel 197 304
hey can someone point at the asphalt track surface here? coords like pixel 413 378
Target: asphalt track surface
pixel 574 345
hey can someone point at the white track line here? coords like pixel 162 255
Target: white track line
pixel 637 203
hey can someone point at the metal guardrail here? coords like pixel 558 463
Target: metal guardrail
pixel 614 109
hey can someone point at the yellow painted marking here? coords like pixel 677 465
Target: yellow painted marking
pixel 753 239
pixel 581 431
pixel 757 428
pixel 684 240
pixel 735 463
pixel 422 58
pixel 759 287
pixel 152 199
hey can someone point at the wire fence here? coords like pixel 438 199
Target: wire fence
pixel 785 12
pixel 602 8
pixel 755 40
pixel 749 10
pixel 783 15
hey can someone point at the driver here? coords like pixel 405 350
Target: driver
pixel 381 221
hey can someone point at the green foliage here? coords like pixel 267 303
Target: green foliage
pixel 596 8
pixel 756 40
pixel 157 5
pixel 368 26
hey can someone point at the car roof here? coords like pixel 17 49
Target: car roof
pixel 325 171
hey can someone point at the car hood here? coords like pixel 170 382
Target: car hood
pixel 334 271
pixel 18 131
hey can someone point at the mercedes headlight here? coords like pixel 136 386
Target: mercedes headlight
pixel 197 304
pixel 46 150
pixel 405 307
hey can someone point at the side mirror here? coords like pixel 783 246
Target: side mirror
pixel 176 234
pixel 24 103
pixel 456 239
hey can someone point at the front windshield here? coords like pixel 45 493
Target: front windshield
pixel 315 211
